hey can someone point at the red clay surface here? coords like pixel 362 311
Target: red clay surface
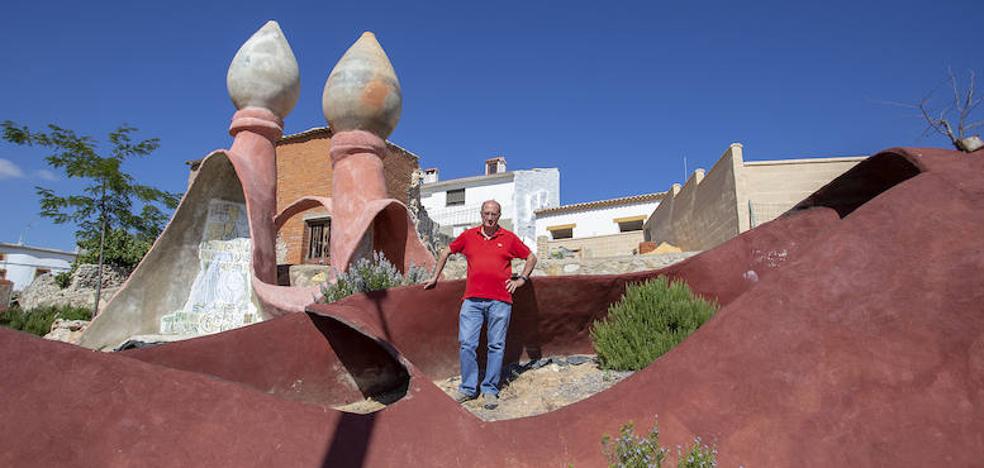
pixel 851 333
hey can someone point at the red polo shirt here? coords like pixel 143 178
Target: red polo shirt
pixel 489 261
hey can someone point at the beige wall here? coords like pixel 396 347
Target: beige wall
pixel 594 247
pixel 773 187
pixel 735 196
pixel 703 213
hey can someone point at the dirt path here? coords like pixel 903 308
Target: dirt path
pixel 530 388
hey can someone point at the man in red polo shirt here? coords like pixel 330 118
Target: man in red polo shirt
pixel 489 250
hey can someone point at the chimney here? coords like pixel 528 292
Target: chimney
pixel 430 175
pixel 496 165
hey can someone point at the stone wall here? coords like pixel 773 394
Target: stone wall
pixel 611 245
pixel 6 289
pixel 456 267
pixel 81 291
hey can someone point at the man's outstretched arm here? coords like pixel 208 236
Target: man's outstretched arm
pixel 445 253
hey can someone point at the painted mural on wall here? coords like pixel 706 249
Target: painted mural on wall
pixel 221 297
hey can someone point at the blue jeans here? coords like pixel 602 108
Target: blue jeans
pixel 473 312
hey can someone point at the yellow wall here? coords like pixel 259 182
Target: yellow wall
pixel 703 213
pixel 735 196
pixel 773 187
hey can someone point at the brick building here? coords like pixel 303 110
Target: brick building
pixel 304 168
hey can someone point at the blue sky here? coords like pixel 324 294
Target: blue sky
pixel 615 94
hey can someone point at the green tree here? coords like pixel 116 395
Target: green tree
pixel 107 202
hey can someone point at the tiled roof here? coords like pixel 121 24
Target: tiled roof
pixel 630 200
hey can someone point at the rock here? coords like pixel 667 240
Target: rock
pixel 579 359
pixel 81 291
pixel 309 275
pixel 67 331
pixel 147 341
pixel 86 276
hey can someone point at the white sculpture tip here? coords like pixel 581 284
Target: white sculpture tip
pixel 264 72
pixel 362 91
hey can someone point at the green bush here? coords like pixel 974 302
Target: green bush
pixel 649 320
pixel 370 274
pixel 697 456
pixel 38 320
pixel 64 279
pixel 632 451
pixel 121 248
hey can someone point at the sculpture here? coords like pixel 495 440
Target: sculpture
pixel 362 102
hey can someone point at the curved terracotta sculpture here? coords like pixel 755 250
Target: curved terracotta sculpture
pixel 863 347
pixel 263 82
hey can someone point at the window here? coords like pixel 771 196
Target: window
pixel 317 234
pixel 631 223
pixel 536 200
pixel 563 231
pixel 455 197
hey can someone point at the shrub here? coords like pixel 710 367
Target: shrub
pixel 632 451
pixel 38 320
pixel 64 279
pixel 370 274
pixel 649 320
pixel 698 456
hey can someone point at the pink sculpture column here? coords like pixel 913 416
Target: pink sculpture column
pixel 357 179
pixel 362 102
pixel 253 155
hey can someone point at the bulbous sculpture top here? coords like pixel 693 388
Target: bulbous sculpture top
pixel 362 91
pixel 264 72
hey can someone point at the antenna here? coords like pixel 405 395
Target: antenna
pixel 20 238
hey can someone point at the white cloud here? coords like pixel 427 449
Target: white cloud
pixel 9 170
pixel 45 174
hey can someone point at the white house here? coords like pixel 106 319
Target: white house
pixel 21 263
pixel 601 228
pixel 455 204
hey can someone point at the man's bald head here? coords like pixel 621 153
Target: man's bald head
pixel 491 210
pixel 492 204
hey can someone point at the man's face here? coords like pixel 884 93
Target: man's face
pixel 490 214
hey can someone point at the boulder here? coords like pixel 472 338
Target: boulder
pixel 67 331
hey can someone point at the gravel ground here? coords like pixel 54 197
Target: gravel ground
pixel 530 388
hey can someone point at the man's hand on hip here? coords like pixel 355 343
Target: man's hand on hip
pixel 513 284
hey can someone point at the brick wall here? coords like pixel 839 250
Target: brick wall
pixel 304 168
